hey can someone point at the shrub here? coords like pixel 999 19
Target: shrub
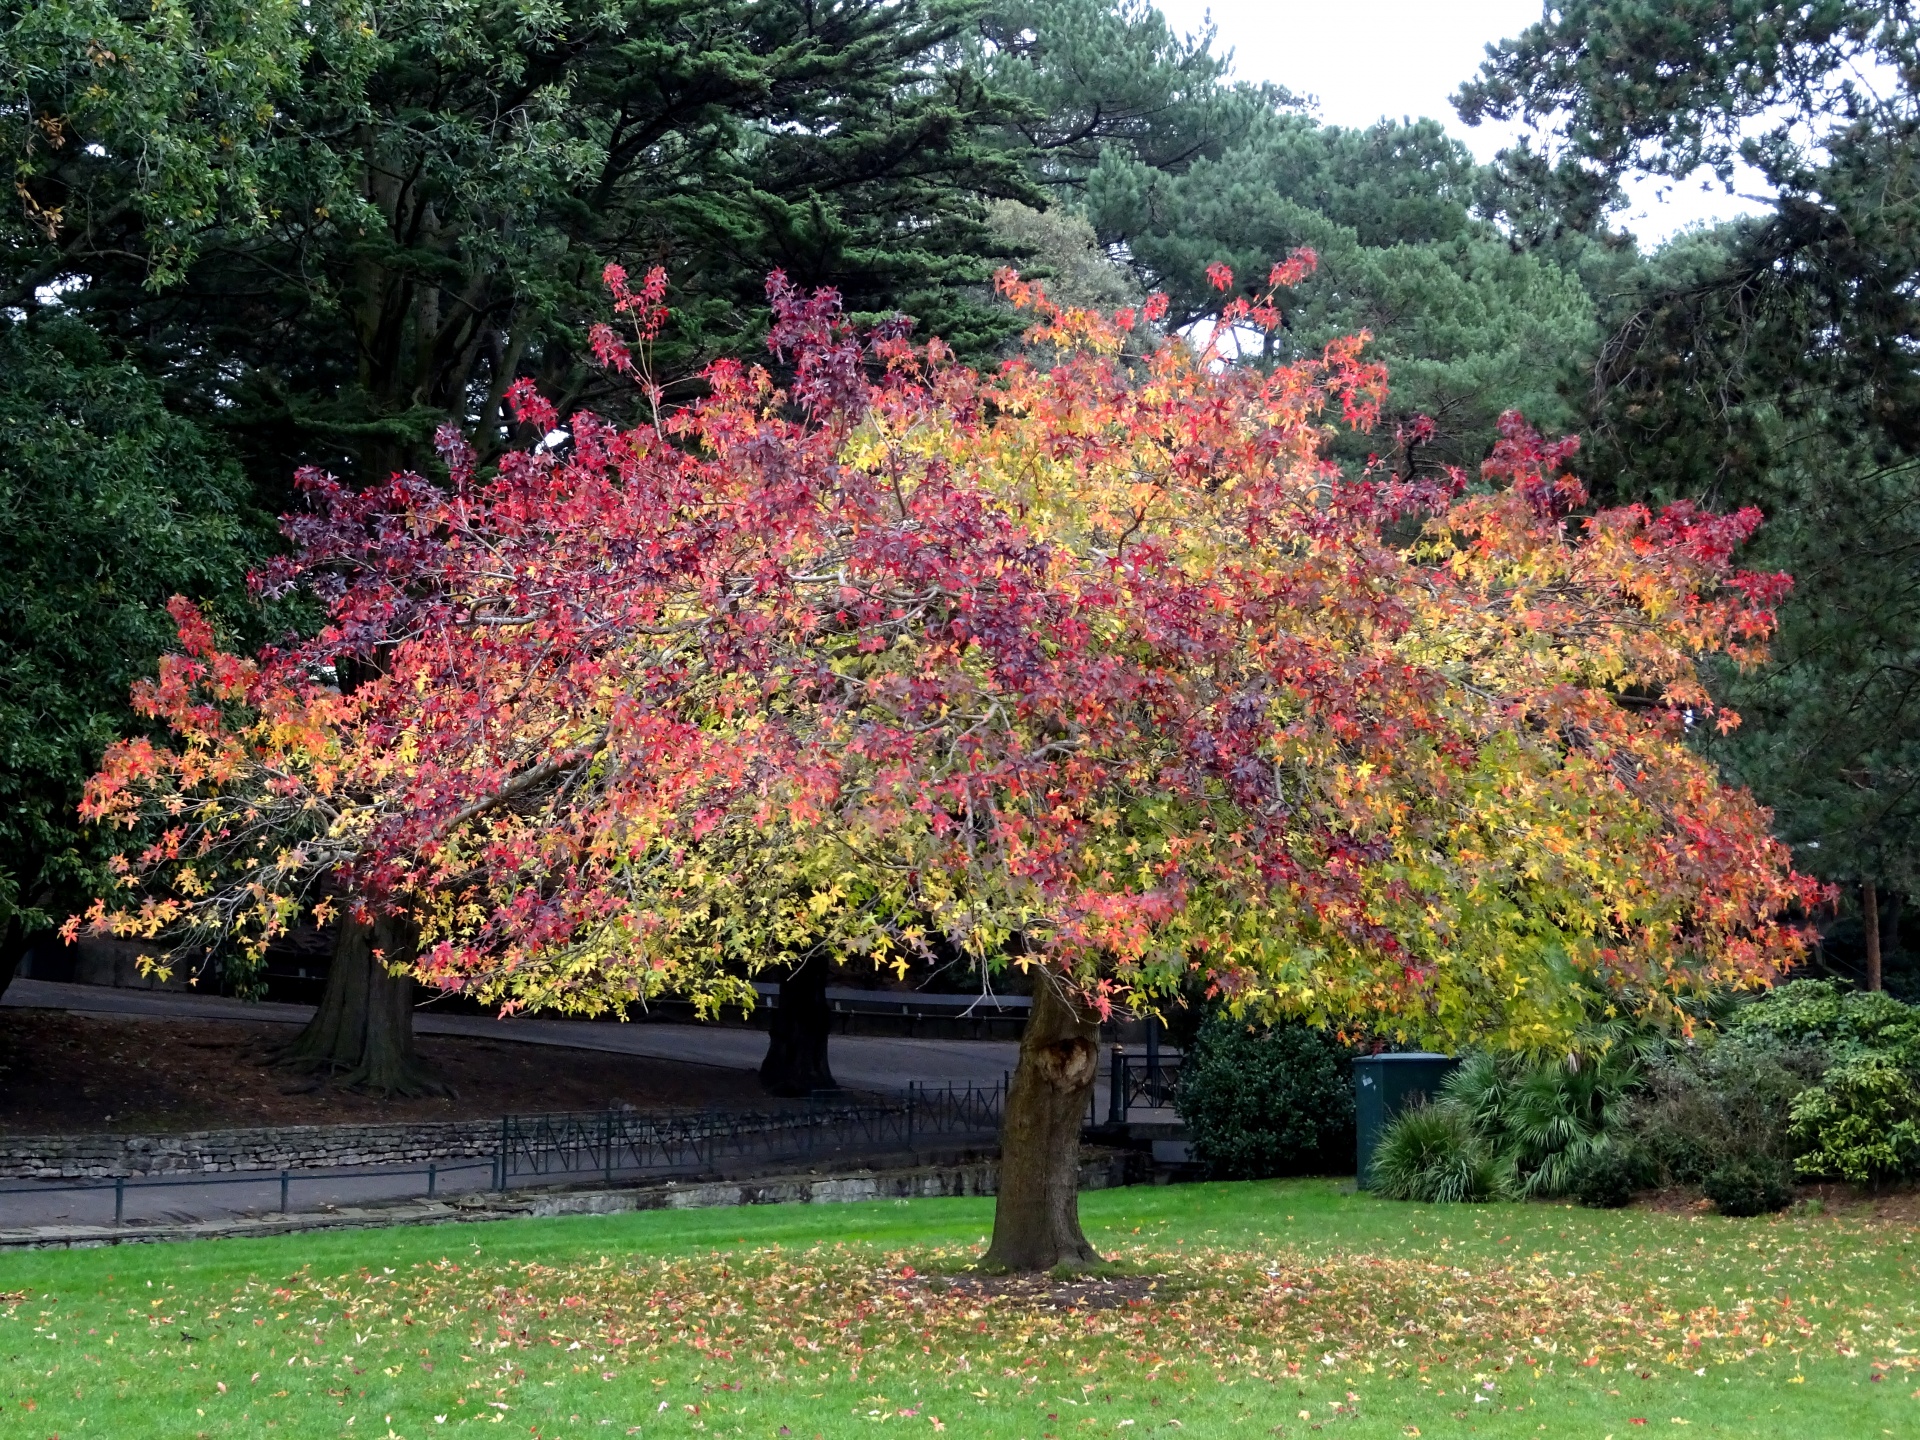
pixel 1266 1102
pixel 1481 1088
pixel 1433 1153
pixel 1728 1101
pixel 1605 1178
pixel 1563 1114
pixel 1861 1122
pixel 1823 1015
pixel 1749 1187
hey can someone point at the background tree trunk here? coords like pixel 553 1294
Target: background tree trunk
pixel 796 1062
pixel 1870 913
pixel 363 1031
pixel 15 941
pixel 1036 1214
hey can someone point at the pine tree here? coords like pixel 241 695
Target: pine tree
pixel 1468 326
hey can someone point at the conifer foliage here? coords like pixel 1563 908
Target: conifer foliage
pixel 1768 362
pixel 334 225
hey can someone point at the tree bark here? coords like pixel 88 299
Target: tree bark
pixel 796 1062
pixel 1036 1213
pixel 1870 912
pixel 15 941
pixel 362 1034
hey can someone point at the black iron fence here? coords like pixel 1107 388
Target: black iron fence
pixel 615 1142
pixel 275 1188
pixel 611 1145
pixel 1149 1082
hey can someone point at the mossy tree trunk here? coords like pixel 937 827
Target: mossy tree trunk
pixel 1036 1215
pixel 362 1034
pixel 797 1034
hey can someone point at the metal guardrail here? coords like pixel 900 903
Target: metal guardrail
pixel 613 1144
pixel 852 999
pixel 121 1184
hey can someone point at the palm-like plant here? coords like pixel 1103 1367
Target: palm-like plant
pixel 1561 1115
pixel 1543 1119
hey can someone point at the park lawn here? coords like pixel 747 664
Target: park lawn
pixel 1284 1308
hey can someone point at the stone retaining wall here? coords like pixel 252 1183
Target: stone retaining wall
pixel 208 1152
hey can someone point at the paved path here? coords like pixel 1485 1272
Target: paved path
pixel 860 1062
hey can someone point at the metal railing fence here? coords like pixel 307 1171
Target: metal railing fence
pixel 612 1142
pixel 1151 1082
pixel 624 1145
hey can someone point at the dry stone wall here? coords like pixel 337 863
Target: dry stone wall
pixel 213 1152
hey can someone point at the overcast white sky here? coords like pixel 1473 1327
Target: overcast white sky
pixel 1367 58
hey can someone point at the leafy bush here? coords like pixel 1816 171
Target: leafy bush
pixel 1857 1117
pixel 1701 1107
pixel 1433 1153
pixel 1861 1123
pixel 1749 1187
pixel 1273 1102
pixel 1605 1178
pixel 1823 1015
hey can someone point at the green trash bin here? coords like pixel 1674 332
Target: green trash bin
pixel 1383 1086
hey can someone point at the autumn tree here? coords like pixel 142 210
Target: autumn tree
pixel 1096 669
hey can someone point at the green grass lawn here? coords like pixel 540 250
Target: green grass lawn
pixel 1282 1308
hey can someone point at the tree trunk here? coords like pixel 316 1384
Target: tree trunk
pixel 15 941
pixel 796 1062
pixel 1036 1214
pixel 1870 911
pixel 363 1031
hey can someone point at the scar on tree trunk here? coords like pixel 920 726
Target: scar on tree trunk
pixel 362 1034
pixel 796 1062
pixel 1036 1214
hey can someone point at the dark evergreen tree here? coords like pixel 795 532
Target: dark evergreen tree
pixel 1769 362
pixel 332 226
pixel 1178 167
pixel 1468 326
pixel 1100 75
pixel 109 505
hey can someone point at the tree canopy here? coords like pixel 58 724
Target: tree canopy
pixel 1099 669
pixel 1097 666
